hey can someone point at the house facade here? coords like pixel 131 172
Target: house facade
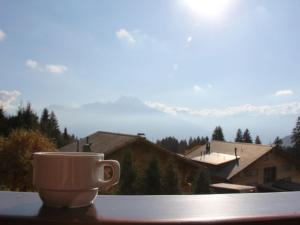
pixel 115 145
pixel 246 164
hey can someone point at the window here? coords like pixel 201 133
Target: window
pixel 269 174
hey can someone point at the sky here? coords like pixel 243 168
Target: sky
pixel 172 67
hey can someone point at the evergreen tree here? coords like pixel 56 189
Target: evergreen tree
pixel 296 136
pixel 54 132
pixel 45 122
pixel 26 119
pixel 152 179
pixel 170 181
pixel 169 143
pixel 128 176
pixel 182 146
pixel 218 134
pixel 239 136
pixel 278 142
pixel 3 123
pixel 201 185
pixel 247 136
pixel 191 142
pixel 257 140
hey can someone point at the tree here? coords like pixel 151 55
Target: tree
pixel 201 185
pixel 152 179
pixel 296 136
pixel 257 140
pixel 169 143
pixel 128 176
pixel 26 119
pixel 182 146
pixel 45 122
pixel 3 123
pixel 16 155
pixel 247 136
pixel 170 181
pixel 239 136
pixel 278 142
pixel 54 132
pixel 218 134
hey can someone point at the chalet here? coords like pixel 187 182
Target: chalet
pixel 114 146
pixel 248 164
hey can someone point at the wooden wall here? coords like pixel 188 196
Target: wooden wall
pixel 142 153
pixel 254 174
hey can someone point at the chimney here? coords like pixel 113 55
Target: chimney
pixel 87 147
pixel 235 152
pixel 207 148
pixel 141 135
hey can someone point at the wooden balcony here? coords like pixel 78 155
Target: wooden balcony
pixel 259 208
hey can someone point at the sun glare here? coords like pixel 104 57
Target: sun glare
pixel 210 9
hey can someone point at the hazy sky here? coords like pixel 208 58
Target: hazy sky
pixel 224 62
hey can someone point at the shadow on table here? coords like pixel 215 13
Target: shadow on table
pixel 84 214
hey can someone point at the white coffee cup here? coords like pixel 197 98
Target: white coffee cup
pixel 71 179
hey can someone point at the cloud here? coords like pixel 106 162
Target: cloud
pixel 58 69
pixel 2 35
pixel 291 108
pixel 7 97
pixel 284 93
pixel 51 68
pixel 32 64
pixel 197 88
pixel 189 39
pixel 123 34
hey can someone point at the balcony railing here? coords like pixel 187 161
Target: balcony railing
pixel 260 208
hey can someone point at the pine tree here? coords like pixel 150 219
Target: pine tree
pixel 278 142
pixel 152 179
pixel 3 123
pixel 218 134
pixel 296 136
pixel 170 181
pixel 45 122
pixel 182 146
pixel 26 119
pixel 54 132
pixel 239 136
pixel 128 176
pixel 201 185
pixel 247 136
pixel 257 140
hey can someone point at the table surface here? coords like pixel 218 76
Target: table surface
pixel 258 208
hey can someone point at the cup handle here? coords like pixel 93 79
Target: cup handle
pixel 115 166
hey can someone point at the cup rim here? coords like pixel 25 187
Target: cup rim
pixel 68 154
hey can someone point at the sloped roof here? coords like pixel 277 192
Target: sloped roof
pixel 247 153
pixel 215 158
pixel 107 142
pixel 102 142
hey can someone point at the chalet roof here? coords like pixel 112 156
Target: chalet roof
pixel 107 142
pixel 247 154
pixel 215 158
pixel 102 142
